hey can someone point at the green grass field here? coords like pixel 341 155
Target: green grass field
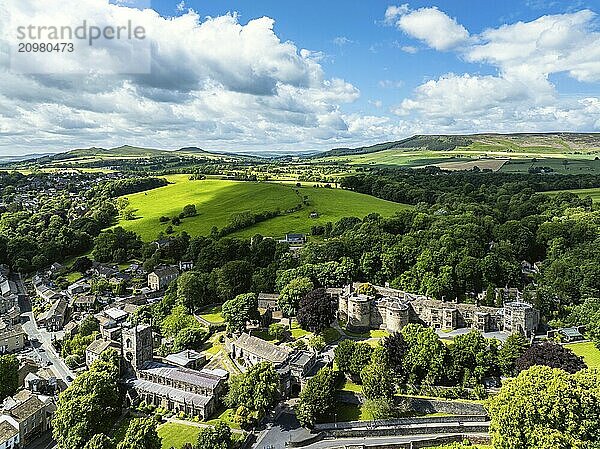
pixel 593 193
pixel 217 200
pixel 176 435
pixel 589 352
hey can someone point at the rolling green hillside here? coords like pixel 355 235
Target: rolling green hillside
pixel 216 200
pixel 560 152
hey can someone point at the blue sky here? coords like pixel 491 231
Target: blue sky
pixel 282 76
pixel 373 52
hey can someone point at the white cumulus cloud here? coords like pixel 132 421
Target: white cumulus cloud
pixel 520 96
pixel 429 25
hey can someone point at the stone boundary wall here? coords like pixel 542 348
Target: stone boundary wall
pixel 401 422
pixel 466 428
pixel 424 405
pixel 418 444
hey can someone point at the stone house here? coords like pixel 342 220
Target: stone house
pixel 28 412
pixel 12 338
pixel 56 317
pixel 84 303
pixel 9 435
pixel 97 347
pixel 161 277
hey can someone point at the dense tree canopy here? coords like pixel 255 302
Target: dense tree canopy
pixel 240 310
pixel 217 437
pixel 87 407
pixel 257 389
pixel 141 434
pixel 547 408
pixel 292 293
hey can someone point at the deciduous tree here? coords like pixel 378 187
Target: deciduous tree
pixel 316 312
pixel 550 354
pixel 238 311
pixel 317 398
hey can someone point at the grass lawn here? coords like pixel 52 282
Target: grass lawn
pixel 216 200
pixel 176 434
pixel 213 315
pixel 263 335
pixel 348 385
pixel 588 351
pixel 74 276
pixel 225 415
pixel 372 333
pixel 297 331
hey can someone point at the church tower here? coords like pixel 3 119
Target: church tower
pixel 137 345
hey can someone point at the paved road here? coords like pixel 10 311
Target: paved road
pixel 41 341
pixel 41 344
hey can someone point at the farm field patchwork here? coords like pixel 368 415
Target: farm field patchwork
pixel 217 200
pixel 490 152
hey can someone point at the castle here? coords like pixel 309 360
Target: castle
pixel 378 307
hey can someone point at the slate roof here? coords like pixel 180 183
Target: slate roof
pixel 262 348
pixel 99 346
pixel 170 392
pixel 11 331
pixel 7 431
pixel 166 271
pixel 301 358
pixel 189 376
pixel 28 404
pixel 184 357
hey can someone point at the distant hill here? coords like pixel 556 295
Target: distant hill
pixel 558 141
pixel 128 151
pixel 191 150
pixel 122 151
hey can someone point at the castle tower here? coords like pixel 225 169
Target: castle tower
pixel 397 316
pixel 137 345
pixel 359 313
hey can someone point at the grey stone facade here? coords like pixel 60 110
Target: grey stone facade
pixel 393 309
